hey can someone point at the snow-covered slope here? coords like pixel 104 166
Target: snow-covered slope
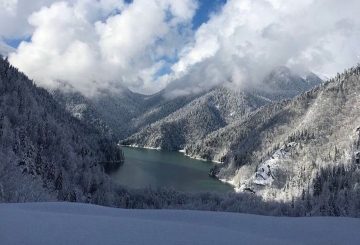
pixel 122 113
pixel 45 153
pixel 68 223
pixel 194 121
pixel 5 49
pixel 281 149
pixel 107 111
pixel 218 108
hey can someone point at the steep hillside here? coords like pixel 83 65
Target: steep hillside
pixel 82 108
pixel 123 113
pixel 216 109
pixel 283 149
pixel 108 111
pixel 45 153
pixel 159 106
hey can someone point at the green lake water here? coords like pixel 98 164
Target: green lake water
pixel 171 169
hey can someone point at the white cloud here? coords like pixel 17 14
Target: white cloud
pixel 14 17
pixel 94 45
pixel 249 38
pixel 10 6
pixel 99 44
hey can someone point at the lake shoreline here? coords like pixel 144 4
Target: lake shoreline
pixel 181 151
pixel 164 168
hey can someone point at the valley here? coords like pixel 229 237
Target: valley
pixel 263 144
pixel 179 122
pixel 187 122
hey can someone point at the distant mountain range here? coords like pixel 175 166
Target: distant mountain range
pixel 218 108
pixel 130 115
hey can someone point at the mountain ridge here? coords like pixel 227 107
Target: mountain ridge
pixel 219 107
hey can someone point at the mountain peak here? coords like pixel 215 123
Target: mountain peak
pixel 281 74
pixel 281 70
pixel 283 83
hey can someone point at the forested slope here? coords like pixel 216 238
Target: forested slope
pixel 107 111
pixel 290 148
pixel 45 153
pixel 122 112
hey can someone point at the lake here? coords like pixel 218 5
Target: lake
pixel 170 169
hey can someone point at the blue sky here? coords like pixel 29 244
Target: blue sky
pixel 15 42
pixel 206 7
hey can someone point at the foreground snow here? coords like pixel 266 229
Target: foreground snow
pixel 67 223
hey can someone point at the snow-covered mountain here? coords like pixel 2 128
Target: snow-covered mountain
pixel 69 223
pixel 283 150
pixel 122 113
pixel 158 121
pixel 282 83
pixel 216 109
pixel 197 119
pixel 45 153
pixel 5 49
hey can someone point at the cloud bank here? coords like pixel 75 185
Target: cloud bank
pixel 248 39
pixel 149 44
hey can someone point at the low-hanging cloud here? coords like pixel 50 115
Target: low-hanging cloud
pixel 96 45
